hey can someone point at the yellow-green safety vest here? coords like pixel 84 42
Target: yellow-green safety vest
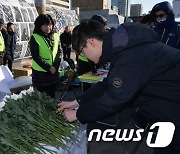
pixel 2 45
pixel 45 51
pixel 83 58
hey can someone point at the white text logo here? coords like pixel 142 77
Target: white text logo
pixel 162 137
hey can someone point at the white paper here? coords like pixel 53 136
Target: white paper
pixel 1 75
pixel 20 82
pixel 4 88
pixel 6 74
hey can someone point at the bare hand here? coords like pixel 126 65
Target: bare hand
pixel 67 105
pixel 70 115
pixel 52 70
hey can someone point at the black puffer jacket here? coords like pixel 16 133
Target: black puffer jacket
pixel 10 44
pixel 44 78
pixel 142 70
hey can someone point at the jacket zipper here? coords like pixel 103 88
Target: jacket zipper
pixel 163 36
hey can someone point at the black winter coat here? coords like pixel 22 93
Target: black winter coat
pixel 142 70
pixel 65 38
pixel 10 44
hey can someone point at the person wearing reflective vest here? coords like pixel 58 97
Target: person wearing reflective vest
pixel 84 65
pixel 45 51
pixel 2 43
pixel 48 56
pixel 2 47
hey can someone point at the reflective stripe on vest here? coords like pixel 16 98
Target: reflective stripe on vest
pixel 45 51
pixel 2 45
pixel 83 58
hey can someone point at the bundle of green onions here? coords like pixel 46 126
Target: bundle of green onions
pixel 30 123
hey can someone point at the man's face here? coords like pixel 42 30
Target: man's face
pixel 11 28
pixel 160 15
pixel 92 49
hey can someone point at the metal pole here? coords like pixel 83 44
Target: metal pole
pixel 70 4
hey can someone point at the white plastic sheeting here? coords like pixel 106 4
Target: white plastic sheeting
pixel 7 81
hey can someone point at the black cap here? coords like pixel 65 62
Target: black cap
pixel 99 18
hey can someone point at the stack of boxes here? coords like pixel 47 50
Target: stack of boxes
pixel 22 72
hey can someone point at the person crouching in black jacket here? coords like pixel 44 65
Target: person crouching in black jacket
pixel 45 51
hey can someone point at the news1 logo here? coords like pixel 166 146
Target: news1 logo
pixel 160 138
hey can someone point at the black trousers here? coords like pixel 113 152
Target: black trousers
pixel 66 53
pixel 1 58
pixel 49 90
pixel 5 61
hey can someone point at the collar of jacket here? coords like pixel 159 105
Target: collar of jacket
pixel 49 38
pixel 169 22
pixel 107 48
pixel 11 33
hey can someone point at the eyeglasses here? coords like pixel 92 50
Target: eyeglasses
pixel 82 47
pixel 160 15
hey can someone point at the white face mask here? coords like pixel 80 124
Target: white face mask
pixel 161 20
